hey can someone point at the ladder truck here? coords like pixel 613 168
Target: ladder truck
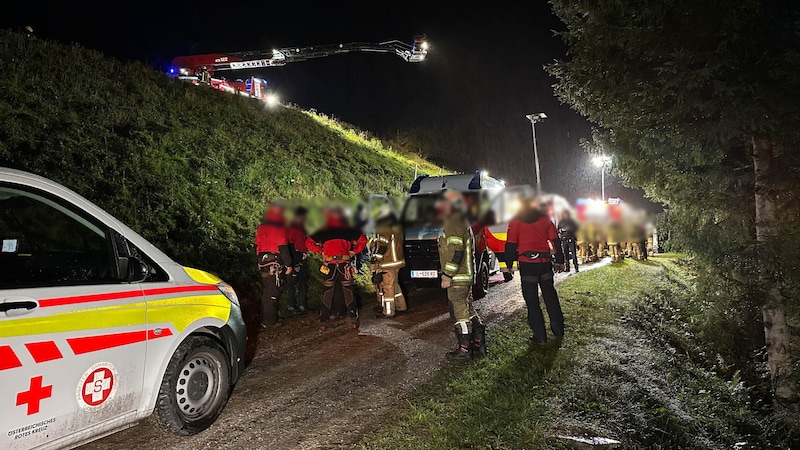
pixel 201 69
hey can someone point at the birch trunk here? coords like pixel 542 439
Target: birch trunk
pixel 776 328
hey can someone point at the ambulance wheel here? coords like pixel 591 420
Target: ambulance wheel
pixel 195 387
pixel 481 287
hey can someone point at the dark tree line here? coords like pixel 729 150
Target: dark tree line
pixel 699 101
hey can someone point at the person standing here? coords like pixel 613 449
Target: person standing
pixel 274 261
pixel 531 236
pixel 386 249
pixel 338 243
pixel 457 257
pixel 568 229
pixel 297 282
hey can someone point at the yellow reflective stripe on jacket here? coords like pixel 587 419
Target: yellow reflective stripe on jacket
pixel 450 267
pixel 393 264
pixel 454 240
pixel 465 278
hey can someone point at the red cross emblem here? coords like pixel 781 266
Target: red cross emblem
pixel 34 395
pixel 98 386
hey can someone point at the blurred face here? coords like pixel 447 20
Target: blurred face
pixel 444 208
pixel 333 215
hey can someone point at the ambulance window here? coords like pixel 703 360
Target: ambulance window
pixel 45 243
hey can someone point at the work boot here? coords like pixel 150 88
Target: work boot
pixel 464 351
pixel 479 349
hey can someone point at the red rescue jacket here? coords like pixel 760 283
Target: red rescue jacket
pixel 532 231
pixel 336 241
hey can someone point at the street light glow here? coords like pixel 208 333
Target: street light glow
pixel 601 160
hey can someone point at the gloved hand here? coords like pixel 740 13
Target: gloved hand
pixel 559 268
pixel 288 270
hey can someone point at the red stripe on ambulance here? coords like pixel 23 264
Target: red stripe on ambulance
pixel 90 344
pixel 8 359
pixel 43 351
pixel 62 301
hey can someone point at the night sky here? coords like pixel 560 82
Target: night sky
pixel 484 71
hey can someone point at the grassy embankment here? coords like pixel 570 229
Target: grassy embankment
pixel 630 368
pixel 189 168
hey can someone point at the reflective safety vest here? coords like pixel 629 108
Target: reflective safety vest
pixel 387 248
pixel 457 251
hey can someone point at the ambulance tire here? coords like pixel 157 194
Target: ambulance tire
pixel 199 361
pixel 481 287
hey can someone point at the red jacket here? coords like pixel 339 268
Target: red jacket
pixel 335 242
pixel 297 238
pixel 532 231
pixel 272 238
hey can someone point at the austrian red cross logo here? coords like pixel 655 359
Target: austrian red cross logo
pixel 98 386
pixel 34 395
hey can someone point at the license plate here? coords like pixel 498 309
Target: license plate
pixel 424 274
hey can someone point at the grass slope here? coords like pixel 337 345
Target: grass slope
pixel 189 168
pixel 616 375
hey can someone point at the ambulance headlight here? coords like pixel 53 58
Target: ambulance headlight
pixel 228 291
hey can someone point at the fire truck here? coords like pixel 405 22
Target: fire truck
pixel 490 207
pixel 201 69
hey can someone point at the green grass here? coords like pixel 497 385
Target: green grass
pixel 614 376
pixel 189 168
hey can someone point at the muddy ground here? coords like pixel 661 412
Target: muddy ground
pixel 310 390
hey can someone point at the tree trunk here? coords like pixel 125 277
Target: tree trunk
pixel 776 328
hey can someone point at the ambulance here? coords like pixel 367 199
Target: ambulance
pixel 99 329
pixel 490 207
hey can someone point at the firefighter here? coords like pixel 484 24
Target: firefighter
pixel 531 235
pixel 457 256
pixel 338 243
pixel 297 282
pixel 567 229
pixel 387 260
pixel 274 261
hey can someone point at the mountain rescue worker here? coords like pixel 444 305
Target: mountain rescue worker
pixel 387 260
pixel 567 229
pixel 338 243
pixel 297 282
pixel 274 261
pixel 531 235
pixel 457 257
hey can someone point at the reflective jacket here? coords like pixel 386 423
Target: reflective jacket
pixel 387 247
pixel 457 251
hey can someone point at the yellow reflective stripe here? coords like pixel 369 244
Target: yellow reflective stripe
pixel 179 311
pixel 183 311
pixel 450 267
pixel 383 239
pixel 462 278
pixel 469 252
pixel 79 320
pixel 394 249
pixel 201 276
pixel 393 264
pixel 455 240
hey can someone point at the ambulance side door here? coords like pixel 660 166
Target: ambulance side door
pixel 72 331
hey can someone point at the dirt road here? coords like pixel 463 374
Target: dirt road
pixel 311 390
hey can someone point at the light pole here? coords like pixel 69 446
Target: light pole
pixel 602 161
pixel 538 117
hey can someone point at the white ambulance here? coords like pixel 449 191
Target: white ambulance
pixel 99 329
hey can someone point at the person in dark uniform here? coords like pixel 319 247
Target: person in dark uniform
pixel 568 229
pixel 274 261
pixel 338 243
pixel 531 236
pixel 297 282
